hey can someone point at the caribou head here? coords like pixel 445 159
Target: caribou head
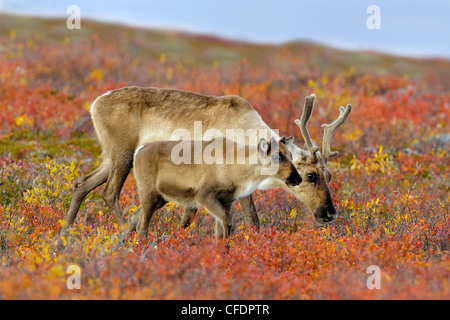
pixel 311 163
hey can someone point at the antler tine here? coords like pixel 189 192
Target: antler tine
pixel 306 115
pixel 329 130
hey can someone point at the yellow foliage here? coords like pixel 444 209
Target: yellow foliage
pixel 136 62
pixel 53 189
pixel 325 78
pixel 162 58
pixel 169 73
pixel 293 213
pixel 311 84
pixel 353 136
pixel 96 74
pixel 378 162
pixel 23 120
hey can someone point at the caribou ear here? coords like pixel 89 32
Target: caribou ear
pixel 263 147
pixel 289 140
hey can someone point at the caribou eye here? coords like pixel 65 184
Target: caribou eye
pixel 312 177
pixel 276 157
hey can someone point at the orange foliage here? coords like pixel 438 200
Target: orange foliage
pixel 390 184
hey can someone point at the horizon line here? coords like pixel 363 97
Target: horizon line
pixel 223 37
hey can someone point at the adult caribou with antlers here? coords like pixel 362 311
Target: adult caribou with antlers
pixel 127 118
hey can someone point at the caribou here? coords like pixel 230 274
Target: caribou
pixel 127 118
pixel 213 186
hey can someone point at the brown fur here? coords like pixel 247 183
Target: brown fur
pixel 316 193
pixel 213 186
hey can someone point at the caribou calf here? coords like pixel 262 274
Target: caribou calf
pixel 213 186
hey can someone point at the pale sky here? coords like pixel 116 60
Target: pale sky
pixel 408 27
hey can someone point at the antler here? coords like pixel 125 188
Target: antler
pixel 329 130
pixel 306 115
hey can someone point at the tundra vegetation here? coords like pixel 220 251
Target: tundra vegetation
pixel 390 182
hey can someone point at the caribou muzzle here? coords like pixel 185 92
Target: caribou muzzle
pixel 325 214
